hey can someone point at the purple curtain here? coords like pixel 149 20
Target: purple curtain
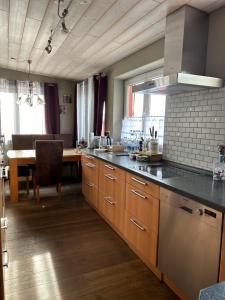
pixel 75 118
pixel 52 111
pixel 100 96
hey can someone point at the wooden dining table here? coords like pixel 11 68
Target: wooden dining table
pixel 27 157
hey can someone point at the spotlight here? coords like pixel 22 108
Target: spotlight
pixel 48 48
pixel 65 12
pixel 64 28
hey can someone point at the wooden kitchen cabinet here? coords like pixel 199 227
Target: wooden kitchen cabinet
pixel 143 184
pixel 129 203
pixel 222 257
pixel 143 206
pixel 112 194
pixel 90 179
pixel 142 217
pixel 3 250
pixel 142 239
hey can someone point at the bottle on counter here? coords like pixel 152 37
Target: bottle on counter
pixel 219 165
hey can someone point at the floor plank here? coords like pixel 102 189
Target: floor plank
pixel 62 250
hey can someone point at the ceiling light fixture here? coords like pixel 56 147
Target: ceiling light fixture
pixel 30 95
pixel 48 48
pixel 63 16
pixel 64 28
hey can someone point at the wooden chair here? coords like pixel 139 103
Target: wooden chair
pixel 48 168
pixel 24 171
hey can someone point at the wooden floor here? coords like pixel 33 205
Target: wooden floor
pixel 62 250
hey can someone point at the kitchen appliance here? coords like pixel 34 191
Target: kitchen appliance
pixel 189 243
pixel 163 171
pixel 184 56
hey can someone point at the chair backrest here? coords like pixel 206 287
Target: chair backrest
pixel 49 156
pixel 26 141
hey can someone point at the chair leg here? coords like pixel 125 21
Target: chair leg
pixel 27 185
pixel 34 186
pixel 58 189
pixel 37 192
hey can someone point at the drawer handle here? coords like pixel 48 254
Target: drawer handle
pixel 139 181
pixel 138 194
pixel 138 225
pixel 90 165
pixel 187 209
pixel 89 157
pixel 4 223
pixel 110 177
pixel 109 201
pixel 5 259
pixel 109 167
pixel 90 184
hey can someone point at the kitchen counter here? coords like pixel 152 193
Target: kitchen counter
pixel 196 184
pixel 214 292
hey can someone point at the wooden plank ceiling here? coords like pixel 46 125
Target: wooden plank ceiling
pixel 101 32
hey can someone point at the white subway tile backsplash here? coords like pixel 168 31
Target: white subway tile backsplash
pixel 194 126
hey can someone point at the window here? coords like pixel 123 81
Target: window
pixel 8 115
pixel 142 111
pixel 32 119
pixel 18 119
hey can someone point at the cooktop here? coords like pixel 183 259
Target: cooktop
pixel 164 171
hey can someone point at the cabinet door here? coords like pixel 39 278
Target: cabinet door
pixel 143 184
pixel 90 172
pixel 141 238
pixel 90 192
pixel 3 250
pixel 108 207
pixel 112 191
pixel 143 206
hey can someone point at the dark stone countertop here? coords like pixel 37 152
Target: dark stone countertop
pixel 198 185
pixel 214 292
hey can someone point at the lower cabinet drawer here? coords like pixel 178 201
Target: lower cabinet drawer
pixel 112 209
pixel 90 171
pixel 143 184
pixel 90 192
pixel 143 206
pixel 141 238
pixel 108 207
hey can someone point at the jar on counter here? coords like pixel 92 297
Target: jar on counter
pixel 154 146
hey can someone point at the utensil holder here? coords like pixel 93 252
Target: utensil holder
pixel 154 146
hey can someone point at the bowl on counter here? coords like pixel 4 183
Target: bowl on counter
pixel 142 158
pixel 132 156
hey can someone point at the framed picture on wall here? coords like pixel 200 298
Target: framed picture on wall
pixel 67 98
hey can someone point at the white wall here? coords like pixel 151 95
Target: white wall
pixel 194 126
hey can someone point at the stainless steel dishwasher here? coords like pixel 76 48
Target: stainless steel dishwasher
pixel 189 243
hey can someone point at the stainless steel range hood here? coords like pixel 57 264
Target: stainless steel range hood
pixel 184 56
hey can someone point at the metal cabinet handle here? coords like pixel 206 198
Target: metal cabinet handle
pixel 187 209
pixel 138 225
pixel 109 167
pixel 138 194
pixel 90 165
pixel 4 223
pixel 109 201
pixel 109 177
pixel 90 184
pixel 5 258
pixel 89 157
pixel 139 181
